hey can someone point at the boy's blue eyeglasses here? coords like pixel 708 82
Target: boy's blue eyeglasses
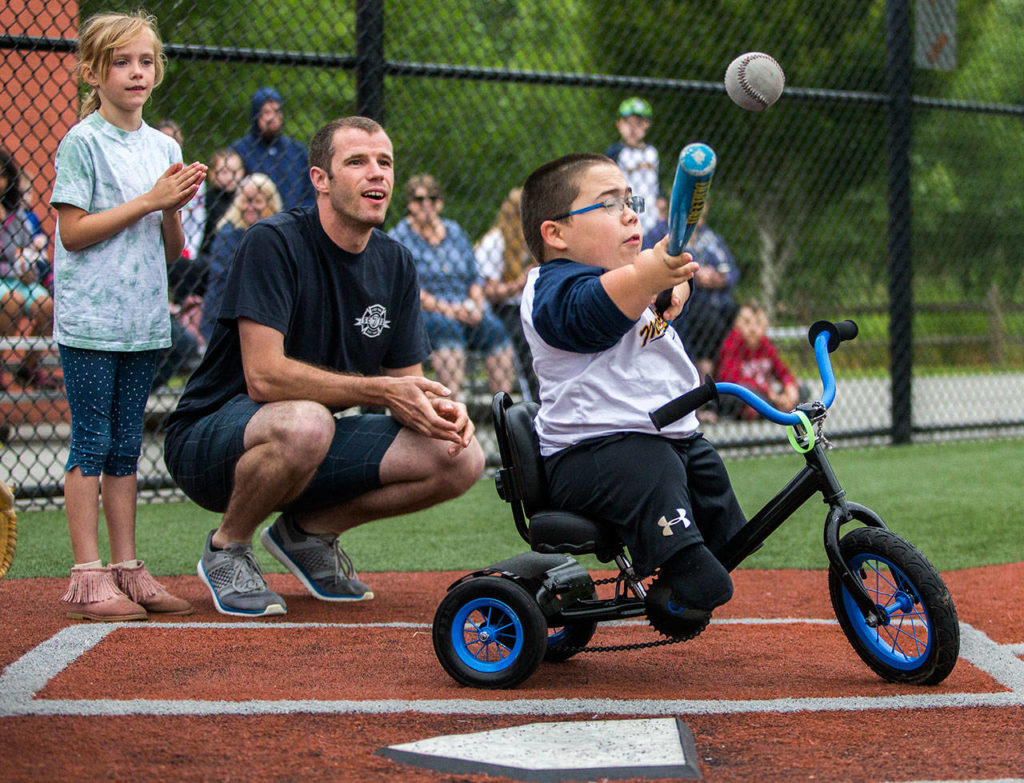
pixel 613 206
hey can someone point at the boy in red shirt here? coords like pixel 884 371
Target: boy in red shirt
pixel 749 359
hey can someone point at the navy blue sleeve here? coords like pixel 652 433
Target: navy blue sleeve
pixel 573 312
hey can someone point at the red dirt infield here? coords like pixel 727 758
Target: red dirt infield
pixel 772 691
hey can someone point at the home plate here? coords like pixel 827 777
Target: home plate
pixel 576 750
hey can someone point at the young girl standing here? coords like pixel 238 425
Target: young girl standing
pixel 119 186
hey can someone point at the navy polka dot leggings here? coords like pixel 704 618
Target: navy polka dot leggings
pixel 107 393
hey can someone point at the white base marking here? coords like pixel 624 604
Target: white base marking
pixel 25 677
pixel 592 748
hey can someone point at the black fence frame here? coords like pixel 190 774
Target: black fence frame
pixel 372 70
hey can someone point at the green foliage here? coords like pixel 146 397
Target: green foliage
pixel 956 503
pixel 967 195
pixel 481 139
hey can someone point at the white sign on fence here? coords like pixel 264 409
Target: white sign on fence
pixel 935 35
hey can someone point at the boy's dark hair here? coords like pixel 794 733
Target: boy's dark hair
pixel 550 190
pixel 321 148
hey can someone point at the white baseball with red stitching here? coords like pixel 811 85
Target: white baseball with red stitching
pixel 754 81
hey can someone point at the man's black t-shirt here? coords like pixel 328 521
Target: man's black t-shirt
pixel 351 313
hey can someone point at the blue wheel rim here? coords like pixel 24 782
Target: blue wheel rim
pixel 487 635
pixel 556 635
pixel 906 641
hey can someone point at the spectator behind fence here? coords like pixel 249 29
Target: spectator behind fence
pixel 184 351
pixel 267 150
pixel 226 171
pixel 710 313
pixel 637 159
pixel 503 260
pixel 193 214
pixel 455 310
pixel 256 198
pixel 186 278
pixel 38 251
pixel 660 230
pixel 749 359
pixel 605 360
pixel 23 297
pixel 321 314
pixel 118 189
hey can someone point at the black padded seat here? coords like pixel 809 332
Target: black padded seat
pixel 533 482
pixel 563 532
pixel 551 531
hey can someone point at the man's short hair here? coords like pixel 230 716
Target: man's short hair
pixel 550 190
pixel 321 147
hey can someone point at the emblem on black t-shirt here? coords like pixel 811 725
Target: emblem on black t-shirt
pixel 373 323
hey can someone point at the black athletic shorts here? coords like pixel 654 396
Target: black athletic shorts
pixel 661 494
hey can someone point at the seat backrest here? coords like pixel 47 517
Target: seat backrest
pixel 527 463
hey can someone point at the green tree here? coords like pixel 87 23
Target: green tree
pixel 967 196
pixel 482 137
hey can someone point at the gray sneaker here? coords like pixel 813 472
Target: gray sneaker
pixel 236 582
pixel 317 561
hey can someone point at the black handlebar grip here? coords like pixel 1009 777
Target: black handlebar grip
pixel 686 403
pixel 837 333
pixel 847 330
pixel 663 302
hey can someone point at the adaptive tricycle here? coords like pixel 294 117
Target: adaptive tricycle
pixel 495 626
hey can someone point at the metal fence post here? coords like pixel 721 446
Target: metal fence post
pixel 898 72
pixel 370 58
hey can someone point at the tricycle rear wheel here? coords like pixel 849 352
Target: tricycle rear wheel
pixel 489 632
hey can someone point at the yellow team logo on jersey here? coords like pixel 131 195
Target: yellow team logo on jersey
pixel 654 330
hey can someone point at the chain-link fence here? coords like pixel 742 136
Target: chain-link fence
pixel 882 187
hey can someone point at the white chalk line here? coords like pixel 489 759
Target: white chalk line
pixel 24 678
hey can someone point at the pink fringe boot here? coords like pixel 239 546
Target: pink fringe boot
pixel 139 585
pixel 93 595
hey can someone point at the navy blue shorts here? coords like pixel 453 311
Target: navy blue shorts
pixel 202 457
pixel 660 494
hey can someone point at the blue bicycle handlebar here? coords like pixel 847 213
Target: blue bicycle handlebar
pixel 823 335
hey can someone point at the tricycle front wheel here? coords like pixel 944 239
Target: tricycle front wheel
pixel 920 643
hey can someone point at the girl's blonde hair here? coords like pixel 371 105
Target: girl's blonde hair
pixel 266 186
pixel 510 226
pixel 101 36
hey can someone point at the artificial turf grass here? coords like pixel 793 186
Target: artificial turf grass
pixel 955 502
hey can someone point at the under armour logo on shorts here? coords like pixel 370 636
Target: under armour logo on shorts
pixel 666 525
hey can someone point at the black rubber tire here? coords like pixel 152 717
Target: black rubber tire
pixel 921 644
pixel 489 633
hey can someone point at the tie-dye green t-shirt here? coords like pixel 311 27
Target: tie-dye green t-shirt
pixel 112 296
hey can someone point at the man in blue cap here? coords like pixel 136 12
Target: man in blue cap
pixel 268 151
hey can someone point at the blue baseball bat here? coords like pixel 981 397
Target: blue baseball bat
pixel 696 169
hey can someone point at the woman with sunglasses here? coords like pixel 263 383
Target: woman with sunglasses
pixel 455 310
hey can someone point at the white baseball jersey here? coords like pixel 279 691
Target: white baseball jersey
pixel 600 372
